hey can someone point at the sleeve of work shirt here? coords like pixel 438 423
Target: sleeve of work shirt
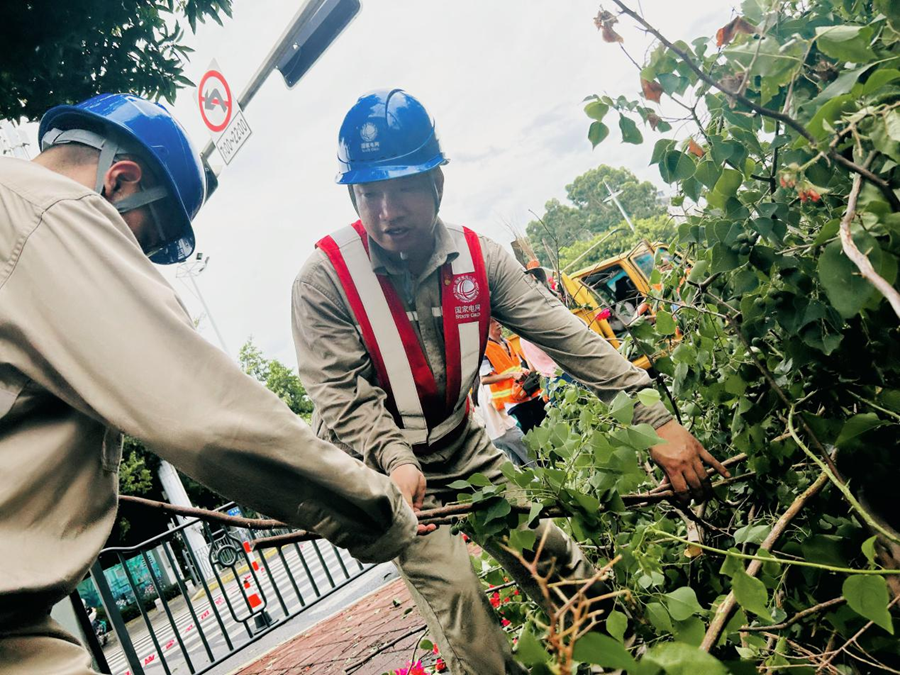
pixel 522 304
pixel 336 371
pixel 113 341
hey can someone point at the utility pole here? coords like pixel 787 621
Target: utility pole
pixel 192 269
pixel 13 141
pixel 614 198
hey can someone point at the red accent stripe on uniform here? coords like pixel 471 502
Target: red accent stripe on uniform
pixel 452 360
pixel 484 292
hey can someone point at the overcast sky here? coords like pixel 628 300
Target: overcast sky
pixel 505 80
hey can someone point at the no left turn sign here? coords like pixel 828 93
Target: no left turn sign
pixel 221 113
pixel 216 101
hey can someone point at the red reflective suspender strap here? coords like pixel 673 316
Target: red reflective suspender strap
pixel 330 248
pixel 456 310
pixel 422 375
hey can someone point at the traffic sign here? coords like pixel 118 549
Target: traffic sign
pixel 221 113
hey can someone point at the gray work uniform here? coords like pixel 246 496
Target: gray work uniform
pixel 350 411
pixel 94 342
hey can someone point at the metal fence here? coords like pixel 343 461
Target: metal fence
pixel 196 608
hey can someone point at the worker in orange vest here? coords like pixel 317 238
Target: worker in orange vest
pixel 515 386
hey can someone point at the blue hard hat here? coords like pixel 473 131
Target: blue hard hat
pixel 387 134
pixel 161 141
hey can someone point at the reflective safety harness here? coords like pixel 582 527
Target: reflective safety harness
pixel 400 364
pixel 503 361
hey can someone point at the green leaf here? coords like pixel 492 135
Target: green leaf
pixel 522 539
pixel 846 43
pixel 603 651
pixel 530 650
pixel 665 323
pixel 660 148
pixel 708 172
pixel 630 132
pixel 648 397
pixel 751 594
pixel 596 110
pixel 479 480
pixel 868 596
pixel 622 408
pixel 868 548
pixel 676 166
pixel 679 658
pixel 534 513
pixel 892 123
pixel 658 617
pixel 426 645
pixel 880 78
pixel 617 624
pixel 698 273
pixel 856 426
pixel 751 534
pixel 499 509
pixel 597 132
pixel 732 564
pixel 643 436
pixel 824 119
pixel 459 485
pixel 846 289
pixel 690 631
pixel 682 603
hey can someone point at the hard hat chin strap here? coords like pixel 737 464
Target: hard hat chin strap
pixel 109 151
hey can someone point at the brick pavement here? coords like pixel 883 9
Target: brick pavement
pixel 340 643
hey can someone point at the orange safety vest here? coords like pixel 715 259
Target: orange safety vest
pixel 503 361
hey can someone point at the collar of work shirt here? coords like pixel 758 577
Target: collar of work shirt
pixel 444 251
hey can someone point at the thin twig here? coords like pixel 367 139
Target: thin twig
pixel 794 619
pixel 359 664
pixel 853 639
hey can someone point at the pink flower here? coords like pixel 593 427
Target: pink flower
pixel 505 622
pixel 435 649
pixel 495 600
pixel 603 314
pixel 440 666
pixel 412 669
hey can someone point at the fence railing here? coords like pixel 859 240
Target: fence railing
pixel 196 608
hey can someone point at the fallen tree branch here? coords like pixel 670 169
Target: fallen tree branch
pixel 204 514
pixel 782 117
pixel 717 625
pixel 859 258
pixel 444 515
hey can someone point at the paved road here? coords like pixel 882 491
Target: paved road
pixel 308 582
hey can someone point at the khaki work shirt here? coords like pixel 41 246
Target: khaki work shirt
pixel 339 376
pixel 94 342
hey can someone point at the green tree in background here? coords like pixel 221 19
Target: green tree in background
pixel 656 230
pixel 277 378
pixel 128 45
pixel 587 214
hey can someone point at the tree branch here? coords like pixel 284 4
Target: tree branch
pixel 794 619
pixel 786 119
pixel 859 258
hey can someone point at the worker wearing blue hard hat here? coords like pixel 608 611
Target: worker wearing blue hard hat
pixel 390 320
pixel 95 343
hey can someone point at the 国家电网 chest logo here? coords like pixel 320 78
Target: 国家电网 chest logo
pixel 368 132
pixel 465 288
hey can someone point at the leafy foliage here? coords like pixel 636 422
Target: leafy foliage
pixel 130 45
pixel 277 378
pixel 658 229
pixel 786 354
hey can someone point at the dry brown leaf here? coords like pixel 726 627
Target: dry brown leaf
pixel 734 27
pixel 652 90
pixel 732 83
pixel 609 35
pixel 654 120
pixel 604 21
pixel 695 149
